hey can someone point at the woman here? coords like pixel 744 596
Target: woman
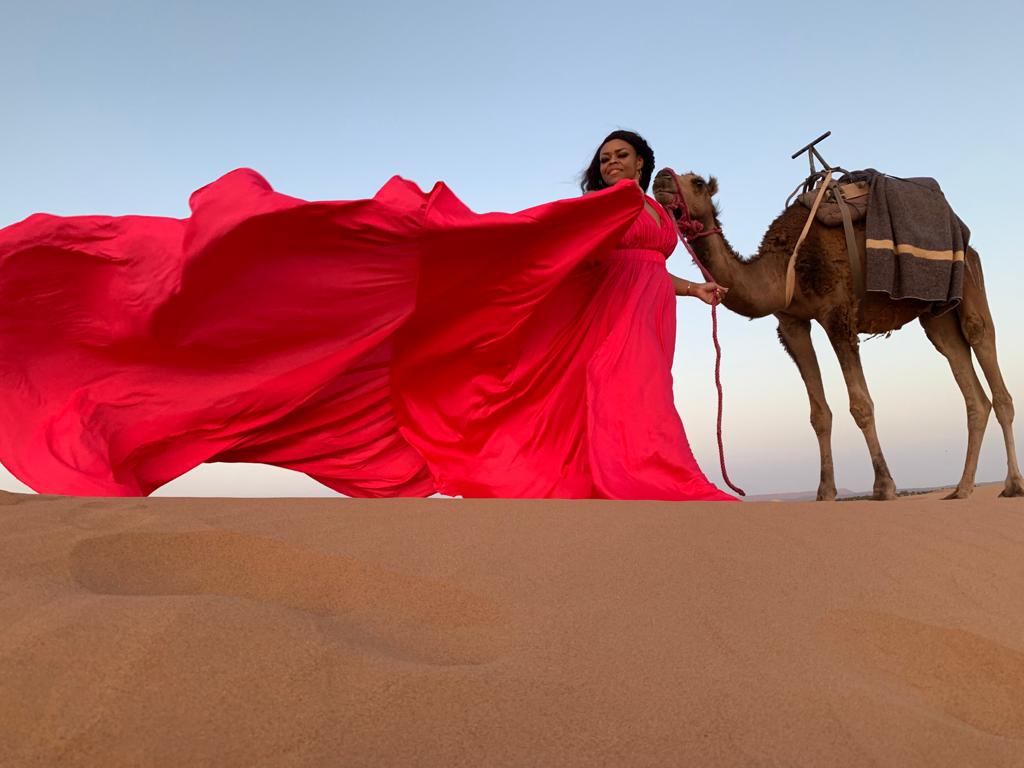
pixel 394 346
pixel 569 395
pixel 635 362
pixel 661 464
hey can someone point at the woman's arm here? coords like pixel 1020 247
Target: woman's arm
pixel 706 292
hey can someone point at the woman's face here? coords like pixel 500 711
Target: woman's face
pixel 619 161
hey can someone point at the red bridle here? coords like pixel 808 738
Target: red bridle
pixel 689 229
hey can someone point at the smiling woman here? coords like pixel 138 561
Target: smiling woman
pixel 620 161
pixel 604 340
pixel 572 388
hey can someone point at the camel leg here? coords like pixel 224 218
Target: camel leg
pixel 845 343
pixel 978 328
pixel 795 336
pixel 944 332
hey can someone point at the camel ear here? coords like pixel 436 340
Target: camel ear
pixel 712 186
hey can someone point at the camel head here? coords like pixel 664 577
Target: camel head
pixel 696 192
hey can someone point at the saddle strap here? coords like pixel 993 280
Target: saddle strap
pixel 852 252
pixel 791 266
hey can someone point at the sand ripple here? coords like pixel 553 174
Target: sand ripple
pixel 394 613
pixel 970 677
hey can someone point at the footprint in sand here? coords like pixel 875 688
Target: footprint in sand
pixel 970 677
pixel 360 604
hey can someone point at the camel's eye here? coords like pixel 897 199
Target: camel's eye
pixel 698 183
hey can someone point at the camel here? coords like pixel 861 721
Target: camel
pixel 824 293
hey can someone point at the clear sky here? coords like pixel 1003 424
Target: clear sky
pixel 126 107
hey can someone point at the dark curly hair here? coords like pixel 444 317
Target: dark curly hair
pixel 591 180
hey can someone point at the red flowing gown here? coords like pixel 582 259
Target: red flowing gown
pixel 395 346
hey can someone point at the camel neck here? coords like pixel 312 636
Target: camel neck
pixel 755 289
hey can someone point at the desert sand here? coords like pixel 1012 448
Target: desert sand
pixel 286 632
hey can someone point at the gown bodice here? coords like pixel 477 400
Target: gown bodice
pixel 647 236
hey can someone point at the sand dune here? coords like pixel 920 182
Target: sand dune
pixel 231 632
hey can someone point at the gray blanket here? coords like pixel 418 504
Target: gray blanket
pixel 915 243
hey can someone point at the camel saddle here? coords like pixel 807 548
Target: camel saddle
pixel 854 196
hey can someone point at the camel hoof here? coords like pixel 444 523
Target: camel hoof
pixel 959 493
pixel 1014 487
pixel 885 493
pixel 827 494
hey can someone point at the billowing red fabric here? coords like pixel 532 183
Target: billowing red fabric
pixel 386 347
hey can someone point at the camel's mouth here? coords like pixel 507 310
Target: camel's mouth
pixel 664 186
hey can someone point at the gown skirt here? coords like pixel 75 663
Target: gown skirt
pixel 401 345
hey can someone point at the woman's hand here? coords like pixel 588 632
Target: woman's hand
pixel 709 293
